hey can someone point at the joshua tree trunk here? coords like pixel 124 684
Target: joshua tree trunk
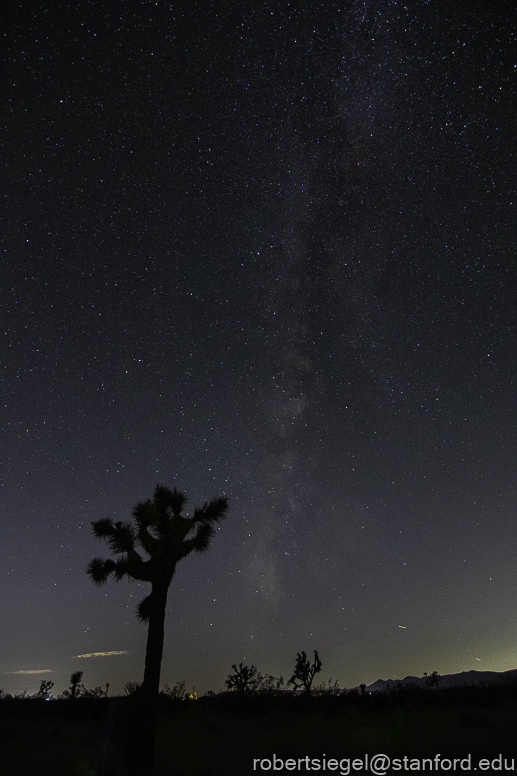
pixel 155 637
pixel 143 763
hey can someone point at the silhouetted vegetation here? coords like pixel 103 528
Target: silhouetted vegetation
pixel 179 692
pixel 162 533
pixel 78 690
pixel 193 737
pixel 248 678
pixel 328 688
pixel 45 688
pixel 130 688
pixel 305 672
pixel 244 678
pixel 75 680
pixel 268 684
pixel 432 680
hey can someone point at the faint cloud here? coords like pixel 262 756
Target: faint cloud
pixel 104 654
pixel 32 671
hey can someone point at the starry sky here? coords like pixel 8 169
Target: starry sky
pixel 263 250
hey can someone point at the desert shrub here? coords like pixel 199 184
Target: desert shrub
pixel 268 684
pixel 77 690
pixel 95 692
pixel 130 688
pixel 330 688
pixel 432 680
pixel 177 692
pixel 44 690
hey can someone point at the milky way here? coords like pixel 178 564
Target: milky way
pixel 262 252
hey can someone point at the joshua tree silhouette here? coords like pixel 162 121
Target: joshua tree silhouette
pixel 162 532
pixel 304 672
pixel 75 681
pixel 244 678
pixel 433 680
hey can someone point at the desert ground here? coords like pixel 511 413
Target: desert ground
pixel 224 734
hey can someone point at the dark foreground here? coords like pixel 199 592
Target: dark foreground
pixel 223 735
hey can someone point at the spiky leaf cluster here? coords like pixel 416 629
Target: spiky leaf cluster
pixel 164 535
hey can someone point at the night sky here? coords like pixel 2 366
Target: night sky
pixel 263 250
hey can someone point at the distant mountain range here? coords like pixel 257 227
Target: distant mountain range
pixel 466 678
